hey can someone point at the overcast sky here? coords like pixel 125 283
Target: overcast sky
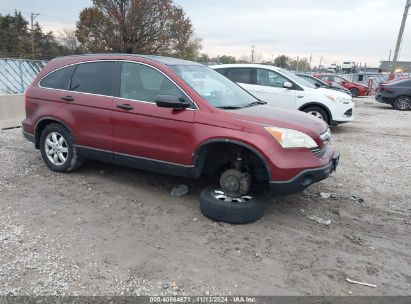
pixel 358 30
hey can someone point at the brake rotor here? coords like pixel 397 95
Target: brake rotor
pixel 235 183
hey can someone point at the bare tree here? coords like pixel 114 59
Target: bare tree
pixel 68 38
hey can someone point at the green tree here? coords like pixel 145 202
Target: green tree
pixel 137 26
pixel 14 35
pixel 282 61
pixel 224 59
pixel 302 64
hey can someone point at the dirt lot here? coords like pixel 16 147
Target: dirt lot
pixel 111 230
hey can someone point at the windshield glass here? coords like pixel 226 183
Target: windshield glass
pixel 313 80
pixel 297 79
pixel 214 87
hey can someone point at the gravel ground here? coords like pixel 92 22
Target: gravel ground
pixel 107 230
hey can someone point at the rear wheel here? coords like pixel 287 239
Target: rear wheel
pixel 58 148
pixel 354 92
pixel 402 103
pixel 318 112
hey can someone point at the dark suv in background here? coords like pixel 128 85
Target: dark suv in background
pixel 397 94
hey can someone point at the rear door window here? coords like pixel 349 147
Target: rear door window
pixel 94 78
pixel 242 75
pixel 59 79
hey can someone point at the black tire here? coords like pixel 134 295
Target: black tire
pixel 72 159
pixel 402 103
pixel 230 212
pixel 315 109
pixel 354 92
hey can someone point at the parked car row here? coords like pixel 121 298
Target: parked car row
pixel 181 118
pixel 356 89
pixel 322 84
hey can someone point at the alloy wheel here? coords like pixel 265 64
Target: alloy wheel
pixel 56 148
pixel 316 114
pixel 403 103
pixel 220 195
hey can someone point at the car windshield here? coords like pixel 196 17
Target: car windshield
pixel 297 79
pixel 214 87
pixel 313 81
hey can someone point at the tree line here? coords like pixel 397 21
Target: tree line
pixel 282 61
pixel 157 27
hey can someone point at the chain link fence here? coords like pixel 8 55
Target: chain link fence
pixel 17 74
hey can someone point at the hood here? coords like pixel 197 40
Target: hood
pixel 360 85
pixel 271 116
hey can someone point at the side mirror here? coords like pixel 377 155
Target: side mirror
pixel 171 101
pixel 342 82
pixel 317 85
pixel 288 85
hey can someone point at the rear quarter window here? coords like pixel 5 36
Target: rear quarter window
pixel 59 79
pixel 242 75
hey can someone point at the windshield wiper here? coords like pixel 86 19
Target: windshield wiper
pixel 229 107
pixel 256 103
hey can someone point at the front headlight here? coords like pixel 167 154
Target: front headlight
pixel 289 138
pixel 339 99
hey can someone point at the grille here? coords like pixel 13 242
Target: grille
pixel 348 113
pixel 319 151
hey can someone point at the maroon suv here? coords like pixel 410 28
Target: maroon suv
pixel 175 117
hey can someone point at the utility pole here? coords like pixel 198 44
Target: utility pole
pixel 311 58
pixel 399 38
pixel 252 53
pixel 389 56
pixel 33 16
pixel 298 60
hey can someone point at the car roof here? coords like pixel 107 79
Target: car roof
pixel 245 65
pixel 159 59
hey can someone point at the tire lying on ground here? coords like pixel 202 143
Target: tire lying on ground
pixel 217 206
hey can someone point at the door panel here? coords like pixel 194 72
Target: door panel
pixel 270 88
pixel 89 112
pixel 146 130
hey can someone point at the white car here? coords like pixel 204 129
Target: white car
pixel 348 66
pixel 283 89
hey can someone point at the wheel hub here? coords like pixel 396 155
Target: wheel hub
pixel 56 148
pixel 235 183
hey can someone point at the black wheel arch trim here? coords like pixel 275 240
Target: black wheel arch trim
pixel 199 159
pixel 318 105
pixel 39 121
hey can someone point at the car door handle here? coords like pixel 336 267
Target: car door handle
pixel 300 96
pixel 125 107
pixel 67 98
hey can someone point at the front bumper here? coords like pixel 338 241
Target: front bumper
pixel 383 99
pixel 305 178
